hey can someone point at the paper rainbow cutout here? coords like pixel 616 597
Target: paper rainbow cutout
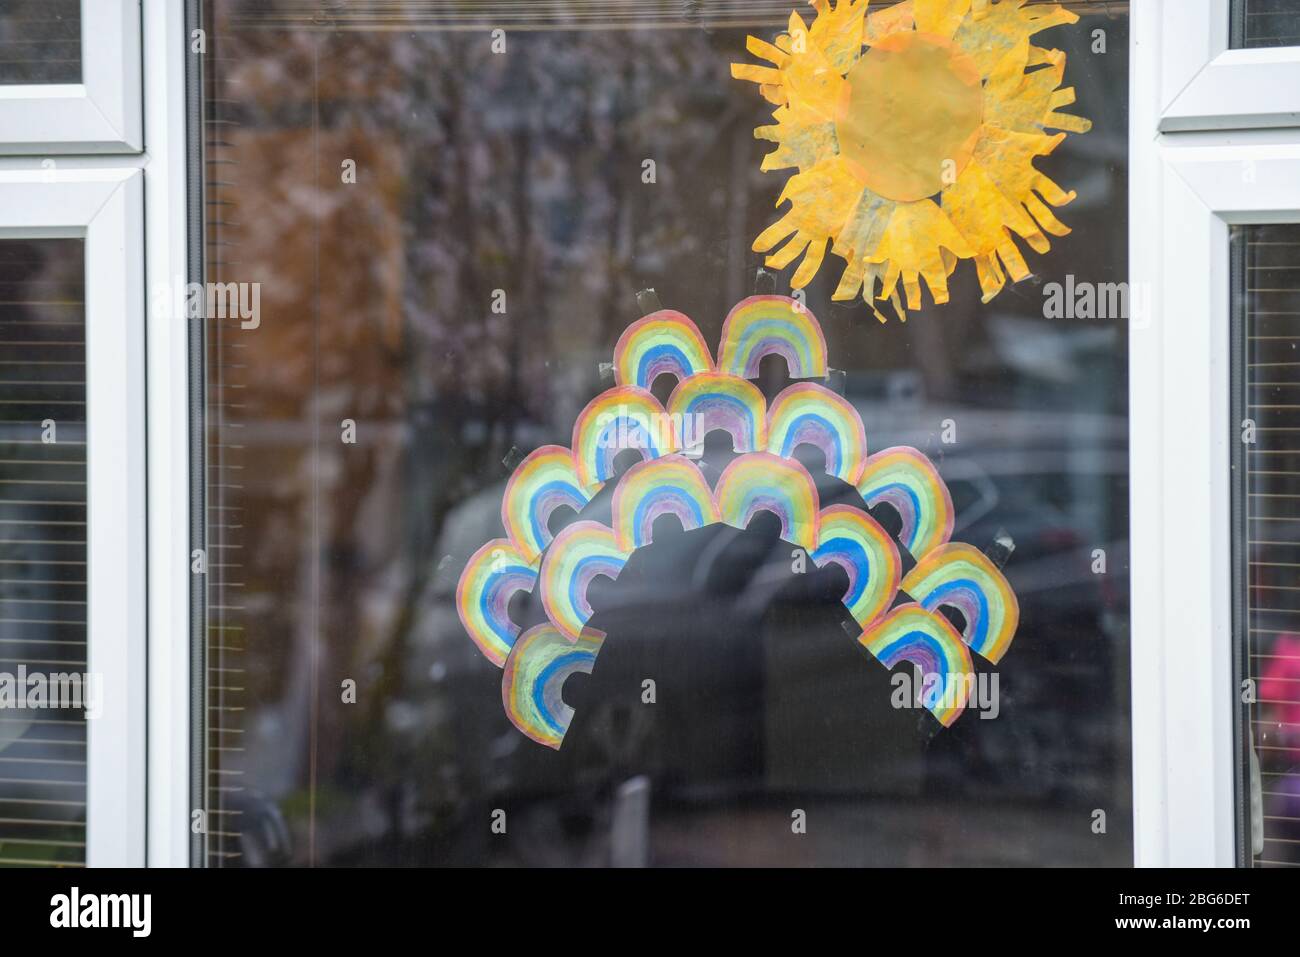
pixel 910 633
pixel 624 417
pixel 663 342
pixel 715 400
pixel 491 577
pixel 852 539
pixel 772 325
pixel 963 578
pixel 809 413
pixel 761 481
pixel 532 685
pixel 542 482
pixel 671 485
pixel 906 480
pixel 578 554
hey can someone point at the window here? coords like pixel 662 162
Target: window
pixel 374 183
pixel 1266 307
pixel 1265 23
pixel 40 42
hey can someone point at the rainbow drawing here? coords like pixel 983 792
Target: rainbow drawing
pixel 961 577
pixel 490 579
pixel 671 485
pixel 715 400
pixel 621 418
pixel 532 684
pixel 542 482
pixel 851 539
pixel 808 413
pixel 905 479
pixel 578 554
pixel 663 342
pixel 761 481
pixel 772 325
pixel 928 641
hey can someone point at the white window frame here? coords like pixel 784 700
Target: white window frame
pixel 1206 86
pixel 102 113
pixel 105 207
pixel 1186 189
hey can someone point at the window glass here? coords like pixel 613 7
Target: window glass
pixel 437 235
pixel 1265 23
pixel 1266 546
pixel 40 42
pixel 42 553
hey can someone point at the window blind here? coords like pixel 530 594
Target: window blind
pixel 1267 549
pixel 1265 23
pixel 42 548
pixel 40 41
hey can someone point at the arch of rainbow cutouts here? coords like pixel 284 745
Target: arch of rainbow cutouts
pixel 765 476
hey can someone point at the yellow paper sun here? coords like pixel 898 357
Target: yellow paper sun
pixel 914 131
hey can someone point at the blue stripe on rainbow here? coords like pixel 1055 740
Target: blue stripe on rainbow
pixel 666 486
pixel 905 479
pixel 761 481
pixel 714 400
pixel 621 418
pixel 541 483
pixel 578 554
pixel 852 539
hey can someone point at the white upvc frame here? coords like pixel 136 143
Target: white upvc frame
pixel 101 114
pixel 105 207
pixel 1205 86
pixel 1186 190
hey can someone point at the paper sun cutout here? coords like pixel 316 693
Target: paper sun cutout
pixel 914 132
pixel 900 614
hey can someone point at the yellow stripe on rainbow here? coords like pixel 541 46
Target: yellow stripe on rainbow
pixel 928 641
pixel 621 418
pixel 666 341
pixel 671 485
pixel 772 325
pixel 761 481
pixel 808 413
pixel 961 577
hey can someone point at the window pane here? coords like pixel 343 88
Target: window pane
pixel 1266 329
pixel 40 41
pixel 450 241
pixel 1265 23
pixel 42 551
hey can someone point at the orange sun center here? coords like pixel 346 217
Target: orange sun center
pixel 913 116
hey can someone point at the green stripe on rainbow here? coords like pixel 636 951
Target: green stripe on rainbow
pixel 811 414
pixel 903 478
pixel 621 418
pixel 961 577
pixel 663 342
pixel 541 483
pixel 761 481
pixel 671 485
pixel 928 641
pixel 772 325
pixel 532 684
